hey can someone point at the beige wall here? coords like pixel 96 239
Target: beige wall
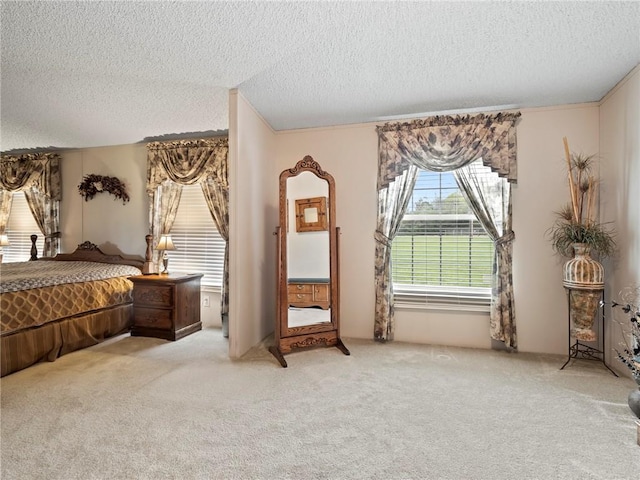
pixel 620 202
pixel 253 215
pixel 349 153
pixel 115 227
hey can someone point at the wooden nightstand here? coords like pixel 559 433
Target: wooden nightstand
pixel 308 292
pixel 166 306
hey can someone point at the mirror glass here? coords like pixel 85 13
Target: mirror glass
pixel 308 256
pixel 311 215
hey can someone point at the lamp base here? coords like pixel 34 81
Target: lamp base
pixel 165 265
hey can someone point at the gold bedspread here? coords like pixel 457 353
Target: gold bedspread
pixel 31 308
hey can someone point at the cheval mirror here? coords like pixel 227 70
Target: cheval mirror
pixel 308 302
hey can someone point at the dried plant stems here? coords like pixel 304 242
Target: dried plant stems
pixel 591 200
pixel 572 187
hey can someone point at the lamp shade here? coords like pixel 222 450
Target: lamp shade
pixel 4 240
pixel 165 243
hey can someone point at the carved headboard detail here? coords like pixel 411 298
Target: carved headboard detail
pixel 90 252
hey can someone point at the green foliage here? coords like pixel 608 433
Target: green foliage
pixel 434 260
pixel 454 203
pixel 564 234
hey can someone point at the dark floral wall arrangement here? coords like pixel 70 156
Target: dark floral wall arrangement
pixel 92 184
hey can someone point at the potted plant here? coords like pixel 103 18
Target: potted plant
pixel 576 233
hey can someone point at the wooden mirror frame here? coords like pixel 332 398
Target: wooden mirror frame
pixel 327 334
pixel 320 204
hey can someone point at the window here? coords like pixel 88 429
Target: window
pixel 441 254
pixel 19 230
pixel 199 246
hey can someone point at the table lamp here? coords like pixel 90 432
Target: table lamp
pixel 165 244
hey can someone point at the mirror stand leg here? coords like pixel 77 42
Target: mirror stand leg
pixel 342 347
pixel 275 351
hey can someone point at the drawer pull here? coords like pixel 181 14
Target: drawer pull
pixel 299 295
pixel 299 287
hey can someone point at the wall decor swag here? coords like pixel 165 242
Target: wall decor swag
pixel 93 184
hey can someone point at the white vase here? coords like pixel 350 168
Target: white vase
pixel 583 277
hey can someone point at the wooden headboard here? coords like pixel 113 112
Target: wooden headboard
pixel 89 252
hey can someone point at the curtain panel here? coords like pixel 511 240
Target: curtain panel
pixel 442 144
pixel 38 175
pixel 217 198
pixel 6 199
pixel 392 205
pixel 489 197
pixel 170 165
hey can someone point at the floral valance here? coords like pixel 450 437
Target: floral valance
pixel 187 162
pixel 22 172
pixel 445 143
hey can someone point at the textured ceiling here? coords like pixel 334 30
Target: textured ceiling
pixel 81 74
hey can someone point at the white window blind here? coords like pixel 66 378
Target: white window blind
pixel 19 230
pixel 199 246
pixel 441 254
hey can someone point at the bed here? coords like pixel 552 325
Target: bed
pixel 54 306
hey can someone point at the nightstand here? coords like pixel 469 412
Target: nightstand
pixel 166 306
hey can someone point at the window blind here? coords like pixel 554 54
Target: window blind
pixel 441 254
pixel 19 229
pixel 199 246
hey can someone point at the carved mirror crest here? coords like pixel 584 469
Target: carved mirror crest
pixel 308 307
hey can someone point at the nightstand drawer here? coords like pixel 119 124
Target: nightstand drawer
pixel 161 296
pixel 300 297
pixel 150 317
pixel 300 288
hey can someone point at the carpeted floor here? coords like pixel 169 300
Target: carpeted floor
pixel 141 408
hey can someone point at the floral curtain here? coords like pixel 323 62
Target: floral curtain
pixel 47 215
pixel 217 198
pixel 444 143
pixel 163 212
pixel 38 175
pixel 6 199
pixel 489 197
pixel 187 162
pixel 392 204
pixel 440 143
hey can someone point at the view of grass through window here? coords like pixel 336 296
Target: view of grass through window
pixel 440 242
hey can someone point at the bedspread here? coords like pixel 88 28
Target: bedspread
pixel 35 307
pixel 20 276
